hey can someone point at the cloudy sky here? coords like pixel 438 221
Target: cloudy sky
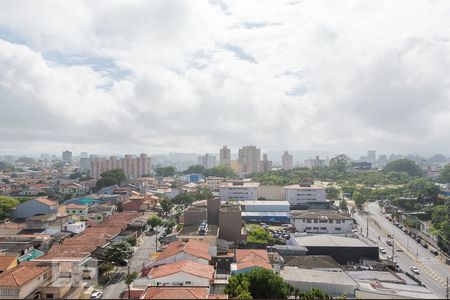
pixel 190 76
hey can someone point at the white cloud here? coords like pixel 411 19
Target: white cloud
pixel 180 75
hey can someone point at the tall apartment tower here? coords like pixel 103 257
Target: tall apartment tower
pixel 371 156
pixel 249 158
pixel 266 165
pixel 67 156
pixel 207 161
pixel 225 156
pixel 133 167
pixel 287 161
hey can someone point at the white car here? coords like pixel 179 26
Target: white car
pixel 382 251
pixel 415 270
pixel 96 295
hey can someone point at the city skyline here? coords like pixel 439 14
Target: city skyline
pixel 320 76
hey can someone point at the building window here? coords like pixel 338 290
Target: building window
pixel 188 282
pixel 338 221
pixel 338 228
pixel 45 275
pixel 330 221
pixel 315 228
pixel 81 211
pixel 309 221
pixel 303 220
pixel 323 221
pixel 316 221
pixel 74 211
pixel 323 228
pixel 308 228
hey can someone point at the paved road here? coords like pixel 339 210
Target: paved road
pixel 140 257
pixel 407 252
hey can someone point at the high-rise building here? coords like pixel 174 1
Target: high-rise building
pixel 266 165
pixel 249 158
pixel 225 156
pixel 317 162
pixel 83 155
pixel 208 161
pixel 372 156
pixel 133 167
pixel 287 161
pixel 67 156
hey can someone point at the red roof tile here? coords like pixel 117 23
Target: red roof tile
pixel 6 261
pixel 192 247
pixel 185 266
pixel 175 293
pixel 20 275
pixel 45 201
pixel 247 258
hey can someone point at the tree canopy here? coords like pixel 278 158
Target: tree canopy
pixel 6 205
pixel 219 171
pixel 118 252
pixel 110 178
pixel 259 284
pixel 403 165
pixel 155 221
pixel 445 174
pixel 168 171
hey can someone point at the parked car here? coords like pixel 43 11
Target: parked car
pixel 382 250
pixel 389 243
pixel 389 236
pixel 415 270
pixel 425 245
pixel 434 251
pixel 96 295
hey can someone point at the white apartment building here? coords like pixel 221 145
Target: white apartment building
pixel 249 159
pixel 238 190
pixel 319 222
pixel 317 162
pixel 213 183
pixel 133 167
pixel 208 161
pixel 266 165
pixel 303 195
pixel 287 161
pixel 225 156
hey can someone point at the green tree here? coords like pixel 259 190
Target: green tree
pixel 165 171
pixel 129 279
pixel 259 283
pixel 445 174
pixel 340 163
pixel 155 221
pixel 343 205
pixel 403 165
pixel 75 175
pixel 118 252
pixel 315 294
pixel 359 199
pixel 423 189
pixel 195 169
pixel 109 178
pixel 6 205
pixel 166 205
pixel 105 267
pixel 132 241
pixel 332 192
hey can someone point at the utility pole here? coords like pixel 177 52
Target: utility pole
pixel 128 276
pixel 393 246
pixel 446 294
pixel 367 224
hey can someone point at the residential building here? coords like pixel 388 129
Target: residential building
pixel 7 262
pixel 287 161
pixel 249 158
pixel 133 167
pixel 208 161
pixel 74 227
pixel 30 208
pixel 85 164
pixel 238 190
pixel 23 281
pixel 266 165
pixel 320 222
pixel 180 293
pixel 249 259
pixel 225 156
pixel 213 183
pixel 372 156
pixel 230 223
pixel 303 196
pixel 317 162
pixel 193 250
pixel 79 211
pixel 182 273
pixel 67 157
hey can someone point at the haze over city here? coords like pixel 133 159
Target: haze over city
pixel 191 76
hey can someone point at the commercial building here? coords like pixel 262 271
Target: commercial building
pixel 225 156
pixel 133 167
pixel 372 156
pixel 303 197
pixel 249 158
pixel 266 165
pixel 213 183
pixel 322 222
pixel 85 164
pixel 317 162
pixel 361 166
pixel 287 161
pixel 208 161
pixel 238 190
pixel 67 156
pixel 265 211
pixel 343 249
pixel 271 192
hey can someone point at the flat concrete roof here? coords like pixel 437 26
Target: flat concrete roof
pixel 382 276
pixel 324 240
pixel 295 274
pixel 299 187
pixel 264 202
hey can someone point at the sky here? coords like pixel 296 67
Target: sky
pixel 190 76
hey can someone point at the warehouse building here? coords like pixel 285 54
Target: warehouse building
pixel 265 211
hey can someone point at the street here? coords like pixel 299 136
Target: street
pixel 407 252
pixel 140 257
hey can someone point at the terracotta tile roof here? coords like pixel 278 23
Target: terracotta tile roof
pixel 45 201
pixel 6 261
pixel 218 296
pixel 247 258
pixel 175 293
pixel 191 247
pixel 134 294
pixel 20 275
pixel 185 266
pixel 76 206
